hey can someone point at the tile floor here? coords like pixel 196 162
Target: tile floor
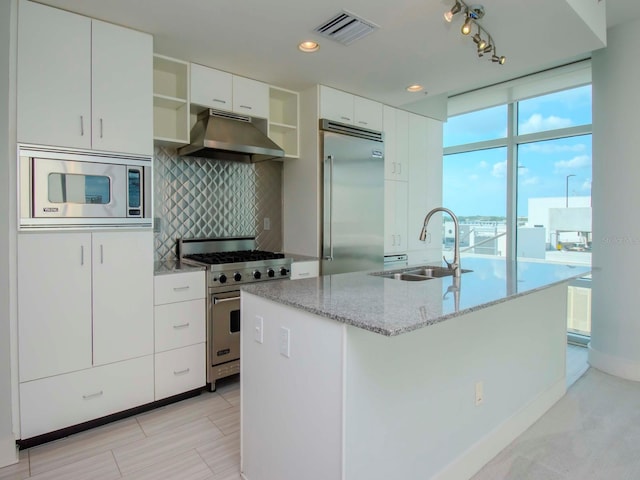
pixel 196 439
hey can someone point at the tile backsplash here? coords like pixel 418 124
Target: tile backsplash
pixel 198 197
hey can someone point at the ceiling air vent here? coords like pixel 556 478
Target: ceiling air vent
pixel 346 28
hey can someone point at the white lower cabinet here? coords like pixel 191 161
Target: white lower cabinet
pixel 305 269
pixel 57 402
pixel 180 314
pixel 180 370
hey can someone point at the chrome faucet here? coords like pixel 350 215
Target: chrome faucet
pixel 455 264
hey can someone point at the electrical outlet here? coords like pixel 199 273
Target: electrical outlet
pixel 285 342
pixel 258 331
pixel 479 393
pixel 267 223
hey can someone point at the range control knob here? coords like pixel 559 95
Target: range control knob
pixel 237 277
pixel 284 271
pixel 222 278
pixel 271 273
pixel 257 275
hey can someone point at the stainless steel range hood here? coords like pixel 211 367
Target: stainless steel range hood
pixel 227 136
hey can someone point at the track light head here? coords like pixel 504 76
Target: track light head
pixel 448 16
pixel 466 26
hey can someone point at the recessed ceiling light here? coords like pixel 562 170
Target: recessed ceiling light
pixel 308 47
pixel 414 88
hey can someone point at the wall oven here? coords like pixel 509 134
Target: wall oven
pixel 63 188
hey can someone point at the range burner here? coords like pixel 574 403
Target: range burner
pixel 217 258
pixel 232 262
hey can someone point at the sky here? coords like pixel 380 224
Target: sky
pixel 474 183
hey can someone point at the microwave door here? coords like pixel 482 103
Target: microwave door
pixel 71 189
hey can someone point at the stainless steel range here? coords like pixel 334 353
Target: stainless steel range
pixel 230 263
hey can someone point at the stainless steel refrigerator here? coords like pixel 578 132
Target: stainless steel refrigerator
pixel 353 198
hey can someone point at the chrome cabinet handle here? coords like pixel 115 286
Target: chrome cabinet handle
pixel 181 372
pixel 101 254
pixel 82 125
pixel 399 168
pixel 346 118
pixel 218 100
pixel 101 129
pixel 181 289
pixel 184 325
pixel 93 395
pixel 363 123
pixel 248 107
pixel 81 254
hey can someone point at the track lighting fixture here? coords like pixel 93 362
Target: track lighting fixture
pixel 448 16
pixel 473 13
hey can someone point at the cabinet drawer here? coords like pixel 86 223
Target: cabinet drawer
pixel 179 287
pixel 57 402
pixel 179 324
pixel 304 269
pixel 180 370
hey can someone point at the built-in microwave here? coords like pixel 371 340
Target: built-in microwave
pixel 72 189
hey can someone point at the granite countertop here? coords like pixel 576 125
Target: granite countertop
pixel 173 266
pixel 391 307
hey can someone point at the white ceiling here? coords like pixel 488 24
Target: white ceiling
pixel 258 39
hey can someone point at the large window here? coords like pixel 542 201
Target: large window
pixel 523 191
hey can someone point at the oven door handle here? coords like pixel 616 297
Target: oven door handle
pixel 222 300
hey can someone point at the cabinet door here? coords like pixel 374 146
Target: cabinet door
pixel 122 296
pixel 390 143
pixel 54 303
pixel 211 88
pixel 402 145
pixel 367 113
pixel 336 105
pixel 250 97
pixel 401 215
pixel 54 77
pixel 122 89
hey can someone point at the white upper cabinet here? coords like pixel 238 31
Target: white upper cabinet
pixel 54 77
pixel 122 89
pixel 336 105
pixel 347 108
pixel 396 144
pixel 367 113
pixel 250 97
pixel 83 83
pixel 213 88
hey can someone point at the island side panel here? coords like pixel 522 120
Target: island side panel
pixel 291 408
pixel 410 399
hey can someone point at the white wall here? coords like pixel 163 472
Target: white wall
pixel 8 10
pixel 615 333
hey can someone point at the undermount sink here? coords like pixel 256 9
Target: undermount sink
pixel 409 277
pixel 418 274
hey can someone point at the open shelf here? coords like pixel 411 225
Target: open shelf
pixel 170 101
pixel 283 120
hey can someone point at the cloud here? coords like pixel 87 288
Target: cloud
pixel 483 164
pixel 586 185
pixel 499 169
pixel 522 171
pixel 538 123
pixel 579 161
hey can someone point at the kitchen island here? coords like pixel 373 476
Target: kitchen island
pixel 362 377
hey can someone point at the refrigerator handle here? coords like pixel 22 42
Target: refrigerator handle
pixel 328 253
